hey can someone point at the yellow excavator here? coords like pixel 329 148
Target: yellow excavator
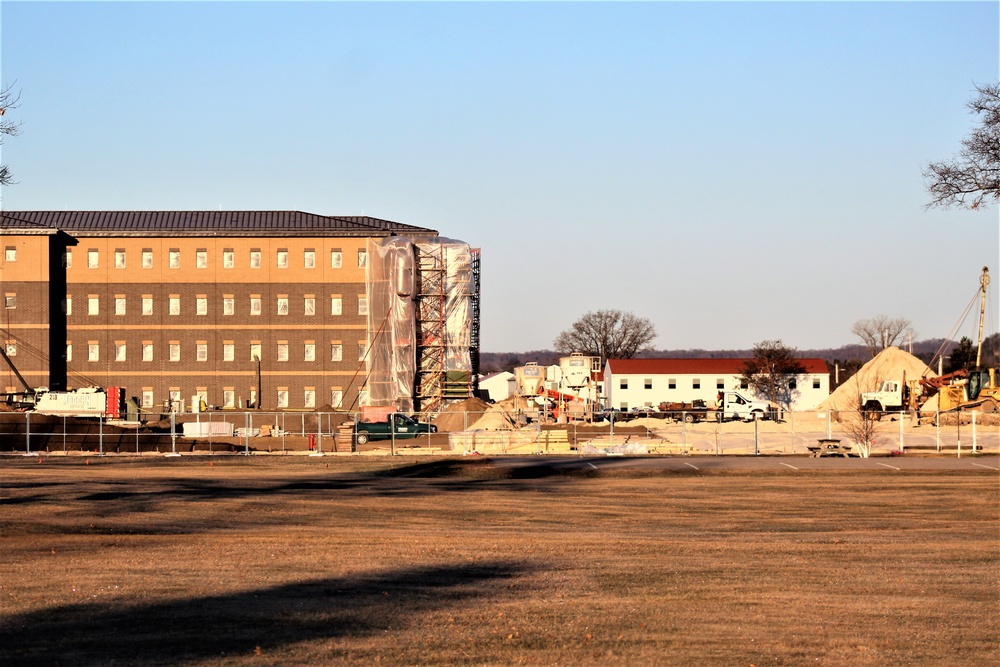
pixel 979 390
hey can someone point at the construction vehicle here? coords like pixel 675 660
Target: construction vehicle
pixel 728 405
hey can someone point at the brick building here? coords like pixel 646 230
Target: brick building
pixel 173 305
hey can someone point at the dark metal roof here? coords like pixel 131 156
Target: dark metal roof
pixel 206 223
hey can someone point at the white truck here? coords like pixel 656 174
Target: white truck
pixel 728 405
pixel 891 395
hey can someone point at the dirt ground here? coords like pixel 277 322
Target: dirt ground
pixel 301 561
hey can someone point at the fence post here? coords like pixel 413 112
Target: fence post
pixel 974 432
pixel 902 447
pixel 27 433
pixel 937 430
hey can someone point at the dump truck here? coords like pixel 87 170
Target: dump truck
pixel 396 426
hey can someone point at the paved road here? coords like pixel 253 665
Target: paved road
pixel 981 464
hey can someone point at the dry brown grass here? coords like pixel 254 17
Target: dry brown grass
pixel 320 561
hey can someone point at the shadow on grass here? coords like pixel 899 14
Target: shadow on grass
pixel 235 625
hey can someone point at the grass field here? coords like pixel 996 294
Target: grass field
pixel 305 561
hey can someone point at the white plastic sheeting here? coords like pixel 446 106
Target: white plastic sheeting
pixel 419 322
pixel 391 360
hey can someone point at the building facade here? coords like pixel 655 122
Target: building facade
pixel 237 309
pixel 630 383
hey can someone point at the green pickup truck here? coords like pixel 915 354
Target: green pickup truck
pixel 396 426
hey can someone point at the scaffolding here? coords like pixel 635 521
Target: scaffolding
pixel 427 293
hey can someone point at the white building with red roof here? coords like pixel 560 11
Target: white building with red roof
pixel 630 383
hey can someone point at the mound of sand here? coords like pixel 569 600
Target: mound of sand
pixel 889 364
pixel 453 418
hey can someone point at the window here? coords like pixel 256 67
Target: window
pixel 623 383
pixel 282 305
pixel 228 351
pixel 147 304
pixel 67 259
pixel 176 404
pixel 175 351
pixel 119 351
pixel 744 385
pixel 255 351
pixel 282 351
pixel 310 306
pixel 336 397
pixel 362 348
pixel 255 258
pixel 201 351
pixel 309 398
pixel 720 383
pixel 309 352
pixel 362 305
pixel 119 305
pixel 69 351
pixel 10 253
pixel 336 305
pixel 93 259
pixel 282 258
pixel 175 304
pixel 201 305
pixel 647 383
pixel 174 258
pixel 228 398
pixel 228 258
pixel 201 259
pixel 255 305
pixel 815 383
pixel 309 258
pixel 11 347
pixel 147 398
pixel 147 258
pixel 696 383
pixel 362 259
pixel 282 397
pixel 336 352
pixel 120 258
pixel 672 383
pixel 93 305
pixel 336 258
pixel 10 301
pixel 793 384
pixel 93 352
pixel 228 305
pixel 69 305
pixel 147 351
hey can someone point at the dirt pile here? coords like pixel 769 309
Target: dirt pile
pixel 889 364
pixel 453 418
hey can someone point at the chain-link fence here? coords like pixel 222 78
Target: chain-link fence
pixel 497 432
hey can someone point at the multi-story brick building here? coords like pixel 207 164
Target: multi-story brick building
pixel 227 306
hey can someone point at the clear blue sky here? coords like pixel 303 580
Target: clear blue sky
pixel 734 172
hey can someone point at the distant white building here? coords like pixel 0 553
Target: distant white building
pixel 630 383
pixel 500 385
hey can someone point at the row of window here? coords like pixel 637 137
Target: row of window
pixel 176 402
pixel 720 383
pixel 255 258
pixel 201 305
pixel 201 351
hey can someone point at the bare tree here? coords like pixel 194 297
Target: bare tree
pixel 859 424
pixel 972 179
pixel 881 332
pixel 608 334
pixel 772 372
pixel 8 101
